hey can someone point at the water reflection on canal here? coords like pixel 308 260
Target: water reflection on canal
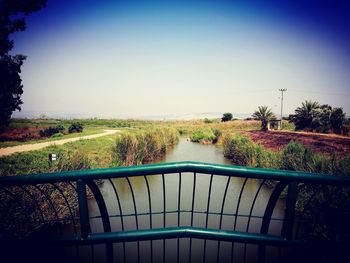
pixel 186 151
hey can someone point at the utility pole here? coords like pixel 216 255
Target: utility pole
pixel 282 90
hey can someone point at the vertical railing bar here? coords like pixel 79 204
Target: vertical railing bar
pixel 13 197
pixel 222 210
pixel 73 186
pixel 68 205
pixel 268 214
pixel 119 204
pixel 83 209
pixel 279 254
pixel 77 252
pixel 316 191
pixel 150 212
pixel 207 215
pixel 292 194
pixel 192 209
pixel 36 203
pixel 77 247
pixel 92 253
pixel 121 213
pixel 178 217
pixel 137 222
pixel 104 215
pixel 164 215
pixel 239 202
pixel 250 214
pixel 329 199
pixel 237 209
pixel 53 207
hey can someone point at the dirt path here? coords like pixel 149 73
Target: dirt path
pixel 38 146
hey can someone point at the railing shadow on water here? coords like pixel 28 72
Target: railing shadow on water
pixel 175 212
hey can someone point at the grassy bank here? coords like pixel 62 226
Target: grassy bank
pixel 243 151
pixel 143 146
pixel 319 206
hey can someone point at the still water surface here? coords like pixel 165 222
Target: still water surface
pixel 186 151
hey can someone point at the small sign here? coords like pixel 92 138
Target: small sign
pixel 52 157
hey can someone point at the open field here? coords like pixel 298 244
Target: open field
pixel 97 151
pixel 321 143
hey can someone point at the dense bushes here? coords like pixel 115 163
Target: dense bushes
pixel 142 147
pixel 243 151
pixel 312 116
pixel 226 117
pixel 48 132
pixel 76 127
pixel 205 135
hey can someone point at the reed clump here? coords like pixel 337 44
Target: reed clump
pixel 241 150
pixel 144 146
pixel 206 135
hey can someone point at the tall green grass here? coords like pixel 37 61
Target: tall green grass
pixel 243 151
pixel 144 146
pixel 205 135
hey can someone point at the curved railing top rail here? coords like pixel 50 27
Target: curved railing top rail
pixel 176 167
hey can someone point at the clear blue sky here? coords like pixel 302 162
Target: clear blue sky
pixel 138 58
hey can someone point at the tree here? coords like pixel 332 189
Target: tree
pixel 337 119
pixel 304 115
pixel 263 114
pixel 226 117
pixel 76 127
pixel 12 13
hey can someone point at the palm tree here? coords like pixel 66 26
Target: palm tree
pixel 304 115
pixel 263 114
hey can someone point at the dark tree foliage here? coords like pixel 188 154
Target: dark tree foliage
pixel 76 127
pixel 226 117
pixel 12 13
pixel 319 118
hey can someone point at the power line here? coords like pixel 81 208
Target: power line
pixel 320 92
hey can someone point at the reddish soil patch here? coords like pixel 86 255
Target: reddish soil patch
pixel 276 140
pixel 21 134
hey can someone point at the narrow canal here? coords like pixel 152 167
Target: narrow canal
pixel 186 151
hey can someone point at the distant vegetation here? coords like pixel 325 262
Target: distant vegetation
pixel 142 147
pixel 226 117
pixel 48 132
pixel 312 116
pixel 76 127
pixel 205 135
pixel 263 114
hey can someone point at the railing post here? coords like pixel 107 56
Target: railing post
pixel 85 228
pixel 288 223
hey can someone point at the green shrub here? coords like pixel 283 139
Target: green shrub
pixel 243 151
pixel 296 157
pixel 206 120
pixel 57 135
pixel 203 135
pixel 240 150
pixel 226 117
pixel 48 132
pixel 217 133
pixel 143 147
pixel 76 127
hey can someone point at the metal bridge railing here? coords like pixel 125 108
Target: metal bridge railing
pixel 176 212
